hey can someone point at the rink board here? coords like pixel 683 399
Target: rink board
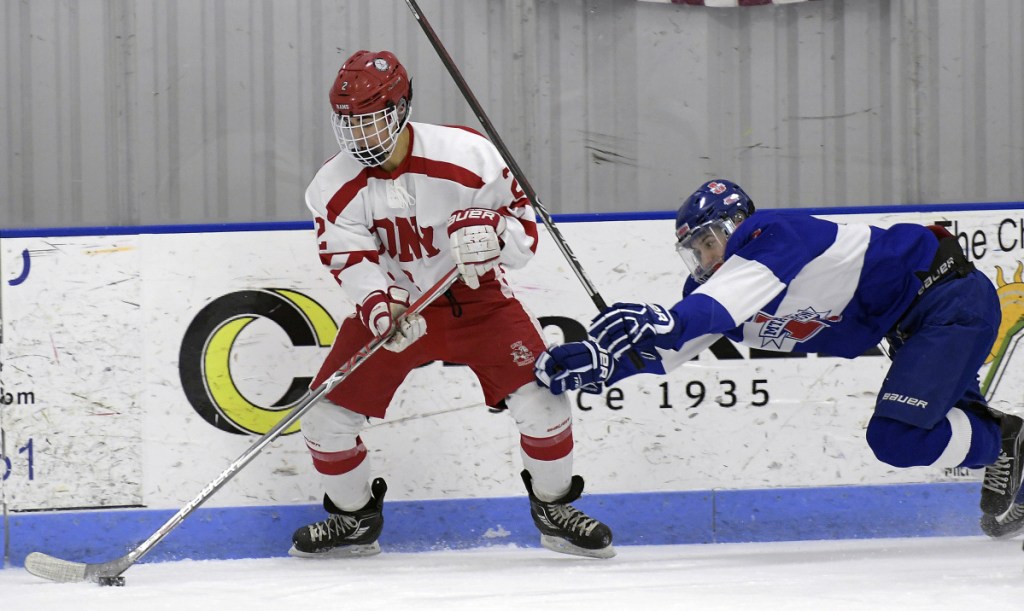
pixel 660 518
pixel 136 363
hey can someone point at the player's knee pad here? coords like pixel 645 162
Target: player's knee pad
pixel 538 413
pixel 903 445
pixel 328 427
pixel 886 438
pixel 545 430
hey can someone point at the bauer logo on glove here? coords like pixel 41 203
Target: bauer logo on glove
pixel 474 216
pixel 583 366
pixel 475 236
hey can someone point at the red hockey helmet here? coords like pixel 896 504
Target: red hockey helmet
pixel 370 102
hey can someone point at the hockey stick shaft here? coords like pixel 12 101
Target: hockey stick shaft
pixel 506 155
pixel 55 569
pixel 513 167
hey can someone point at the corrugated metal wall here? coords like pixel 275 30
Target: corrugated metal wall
pixel 155 111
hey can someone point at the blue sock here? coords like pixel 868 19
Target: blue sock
pixel 986 440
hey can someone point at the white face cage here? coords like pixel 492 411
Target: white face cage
pixel 703 248
pixel 371 137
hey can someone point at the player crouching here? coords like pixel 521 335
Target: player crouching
pixel 382 211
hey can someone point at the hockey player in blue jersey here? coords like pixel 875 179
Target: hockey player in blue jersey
pixel 788 281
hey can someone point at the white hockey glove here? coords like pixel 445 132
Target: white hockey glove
pixel 476 244
pixel 575 365
pixel 380 311
pixel 640 325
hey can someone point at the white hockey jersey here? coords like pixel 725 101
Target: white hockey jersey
pixel 375 228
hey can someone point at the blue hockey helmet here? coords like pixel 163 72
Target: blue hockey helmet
pixel 704 223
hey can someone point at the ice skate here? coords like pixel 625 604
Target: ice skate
pixel 1003 478
pixel 564 528
pixel 343 533
pixel 1005 526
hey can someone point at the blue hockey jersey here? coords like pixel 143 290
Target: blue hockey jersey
pixel 795 283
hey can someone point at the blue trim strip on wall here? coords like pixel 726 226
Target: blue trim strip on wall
pixel 150 229
pixel 671 214
pixel 660 518
pixel 558 218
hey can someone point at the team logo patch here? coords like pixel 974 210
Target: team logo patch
pixel 521 355
pixel 717 188
pixel 381 64
pixel 799 326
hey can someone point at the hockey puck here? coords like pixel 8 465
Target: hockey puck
pixel 111 580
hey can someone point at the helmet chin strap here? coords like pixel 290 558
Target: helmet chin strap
pixel 374 157
pixel 713 270
pixel 381 157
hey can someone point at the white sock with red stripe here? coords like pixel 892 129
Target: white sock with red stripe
pixel 345 476
pixel 551 478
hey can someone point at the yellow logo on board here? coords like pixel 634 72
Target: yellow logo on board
pixel 1011 327
pixel 204 362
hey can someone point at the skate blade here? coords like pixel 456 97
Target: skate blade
pixel 1004 535
pixel 1000 531
pixel 345 551
pixel 564 547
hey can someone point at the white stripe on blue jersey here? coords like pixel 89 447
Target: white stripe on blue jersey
pixel 811 294
pixel 750 285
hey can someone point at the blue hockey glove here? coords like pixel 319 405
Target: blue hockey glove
pixel 576 365
pixel 641 325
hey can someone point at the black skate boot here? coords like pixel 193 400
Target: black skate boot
pixel 344 533
pixel 1005 526
pixel 1003 477
pixel 564 528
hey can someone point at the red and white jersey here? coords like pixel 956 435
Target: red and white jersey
pixel 376 228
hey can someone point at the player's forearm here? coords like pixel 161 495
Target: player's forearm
pixel 518 243
pixel 699 316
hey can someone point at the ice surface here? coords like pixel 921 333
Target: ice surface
pixel 927 573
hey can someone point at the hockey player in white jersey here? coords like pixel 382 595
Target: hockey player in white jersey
pixel 788 281
pixel 399 207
